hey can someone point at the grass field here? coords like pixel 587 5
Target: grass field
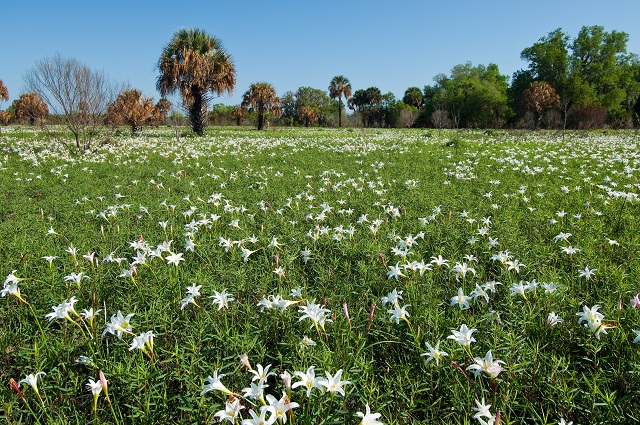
pixel 366 256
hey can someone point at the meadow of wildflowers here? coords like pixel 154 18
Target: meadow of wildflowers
pixel 321 276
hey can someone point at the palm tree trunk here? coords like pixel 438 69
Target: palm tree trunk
pixel 260 118
pixel 195 111
pixel 340 111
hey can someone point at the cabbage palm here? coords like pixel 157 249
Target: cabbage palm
pixel 194 63
pixel 30 107
pixel 340 86
pixel 131 108
pixel 4 93
pixel 239 114
pixel 4 96
pixel 308 115
pixel 261 97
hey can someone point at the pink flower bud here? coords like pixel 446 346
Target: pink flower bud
pixel 345 309
pixel 103 380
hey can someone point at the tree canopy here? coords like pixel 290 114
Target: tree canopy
pixel 75 92
pixel 30 107
pixel 134 110
pixel 195 64
pixel 593 71
pixel 4 93
pixel 261 98
pixel 474 96
pixel 413 97
pixel 584 81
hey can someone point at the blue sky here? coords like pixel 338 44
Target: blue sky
pixel 389 44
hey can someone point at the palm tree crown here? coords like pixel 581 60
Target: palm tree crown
pixel 340 86
pixel 261 97
pixel 4 93
pixel 195 63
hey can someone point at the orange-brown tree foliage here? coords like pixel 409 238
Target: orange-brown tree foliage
pixel 30 107
pixel 239 114
pixel 538 98
pixel 134 110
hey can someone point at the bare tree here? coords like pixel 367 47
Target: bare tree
pixel 551 119
pixel 408 116
pixel 75 92
pixel 176 121
pixel 440 119
pixel 565 108
pixel 455 117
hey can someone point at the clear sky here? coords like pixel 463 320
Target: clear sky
pixel 391 44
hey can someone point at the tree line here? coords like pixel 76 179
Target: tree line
pixel 589 81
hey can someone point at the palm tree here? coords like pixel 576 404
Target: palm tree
pixel 131 108
pixel 239 114
pixel 31 107
pixel 4 96
pixel 195 63
pixel 308 115
pixel 4 93
pixel 261 97
pixel 340 86
pixel 413 96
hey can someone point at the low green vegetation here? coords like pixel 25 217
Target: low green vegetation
pixel 420 276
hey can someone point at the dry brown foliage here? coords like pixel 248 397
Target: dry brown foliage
pixel 261 97
pixel 30 107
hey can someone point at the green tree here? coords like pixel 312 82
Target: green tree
pixel 388 115
pixel 549 59
pixel 221 114
pixel 315 99
pixel 367 103
pixel 402 115
pixel 430 103
pixel 602 72
pixel 413 96
pixel 261 98
pixel 593 71
pixel 289 110
pixel 339 87
pixel 195 64
pixel 520 81
pixel 473 96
